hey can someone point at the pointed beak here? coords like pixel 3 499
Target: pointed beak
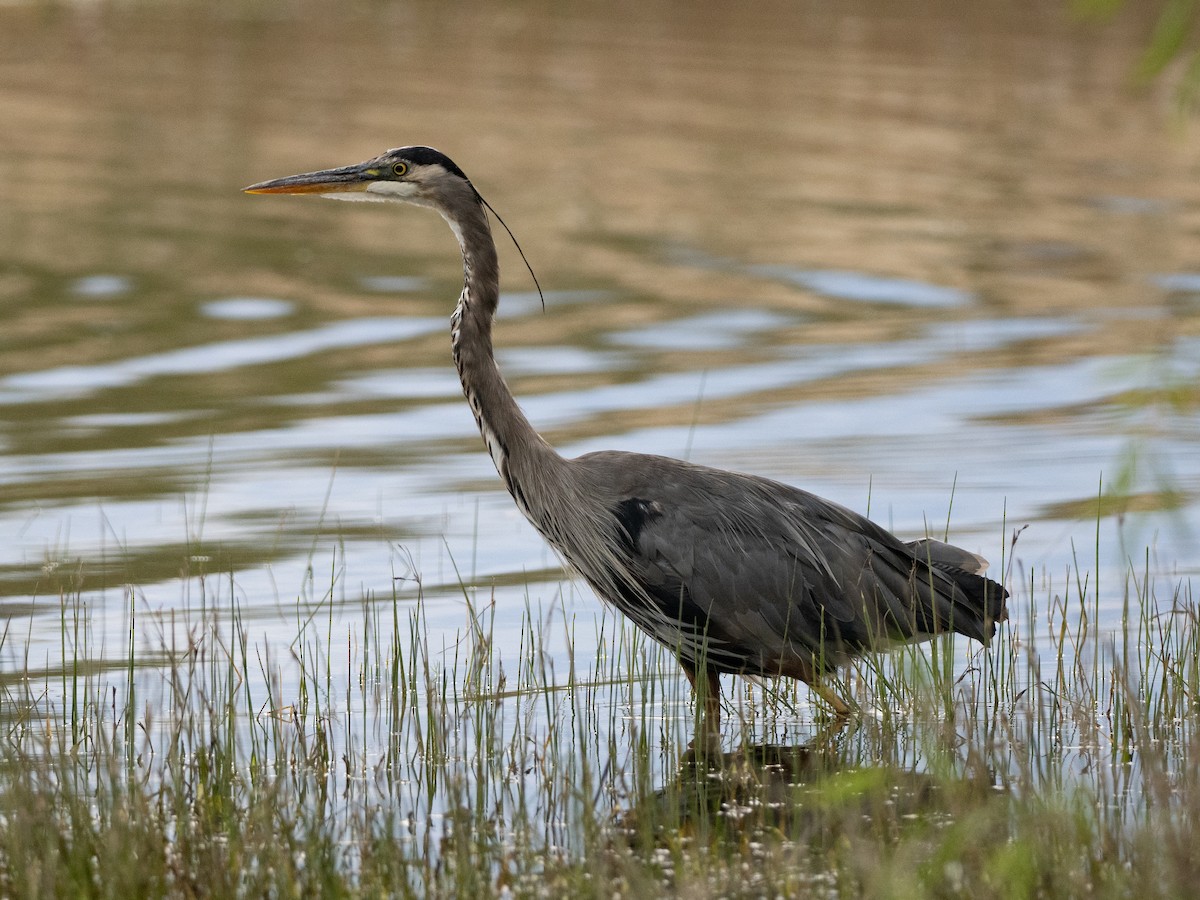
pixel 327 181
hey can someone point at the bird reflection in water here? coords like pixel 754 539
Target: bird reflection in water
pixel 807 793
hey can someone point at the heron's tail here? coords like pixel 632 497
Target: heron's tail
pixel 978 602
pixel 985 602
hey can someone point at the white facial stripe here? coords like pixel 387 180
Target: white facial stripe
pixel 401 190
pixel 351 195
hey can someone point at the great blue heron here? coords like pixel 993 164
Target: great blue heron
pixel 734 573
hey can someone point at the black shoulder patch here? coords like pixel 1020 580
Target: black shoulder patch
pixel 427 156
pixel 634 514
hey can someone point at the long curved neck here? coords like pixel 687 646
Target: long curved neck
pixel 556 495
pixel 518 451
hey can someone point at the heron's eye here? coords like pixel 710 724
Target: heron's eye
pixel 400 169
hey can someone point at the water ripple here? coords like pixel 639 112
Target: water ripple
pixel 714 331
pixel 847 285
pixel 76 381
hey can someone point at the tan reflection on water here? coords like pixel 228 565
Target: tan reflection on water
pixel 655 152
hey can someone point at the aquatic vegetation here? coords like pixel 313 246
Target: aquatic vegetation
pixel 1060 761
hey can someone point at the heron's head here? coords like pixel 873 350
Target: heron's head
pixel 419 175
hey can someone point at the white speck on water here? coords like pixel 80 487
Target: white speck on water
pixel 248 309
pixel 99 286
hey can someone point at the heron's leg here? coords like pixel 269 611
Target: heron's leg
pixel 841 709
pixel 810 674
pixel 709 694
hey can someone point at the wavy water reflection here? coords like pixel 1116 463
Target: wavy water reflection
pixel 935 268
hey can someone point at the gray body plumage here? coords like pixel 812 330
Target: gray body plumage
pixel 759 577
pixel 733 573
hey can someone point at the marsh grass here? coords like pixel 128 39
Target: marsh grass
pixel 373 759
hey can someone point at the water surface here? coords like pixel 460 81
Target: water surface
pixel 941 266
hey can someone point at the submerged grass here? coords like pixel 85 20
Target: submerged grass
pixel 1062 761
